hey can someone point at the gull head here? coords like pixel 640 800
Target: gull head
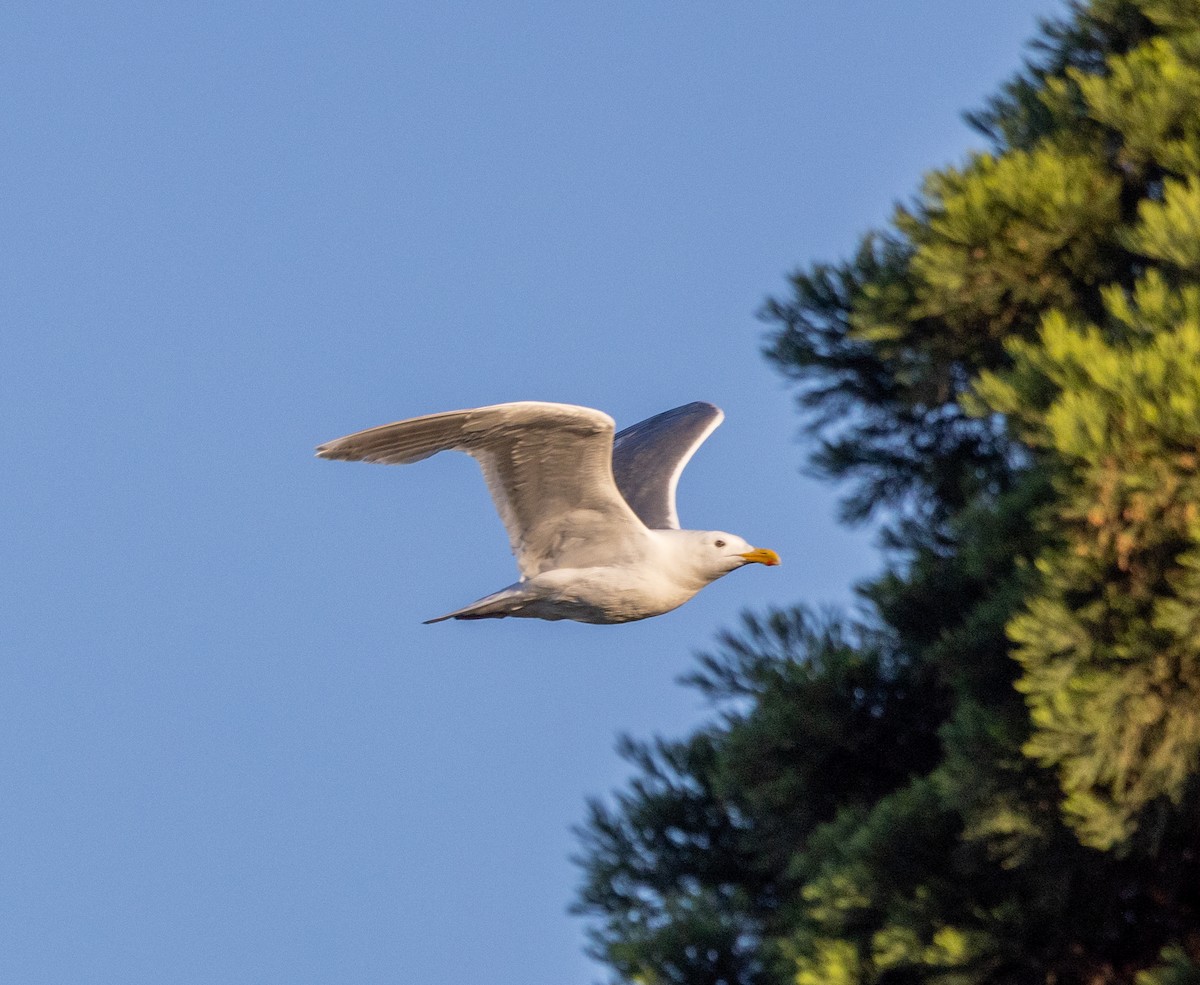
pixel 714 553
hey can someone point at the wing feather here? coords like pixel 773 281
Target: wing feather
pixel 649 457
pixel 549 469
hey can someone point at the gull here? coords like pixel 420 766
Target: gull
pixel 590 516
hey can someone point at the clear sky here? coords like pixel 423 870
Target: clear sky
pixel 230 751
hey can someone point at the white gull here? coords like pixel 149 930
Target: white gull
pixel 590 517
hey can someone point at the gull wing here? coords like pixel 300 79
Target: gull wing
pixel 547 466
pixel 649 457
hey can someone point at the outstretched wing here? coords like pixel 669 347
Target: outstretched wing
pixel 648 458
pixel 548 467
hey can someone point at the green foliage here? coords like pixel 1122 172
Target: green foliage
pixel 1176 969
pixel 992 775
pixel 1150 97
pixel 1006 238
pixel 1110 643
pixel 1168 231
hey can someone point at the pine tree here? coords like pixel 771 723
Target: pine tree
pixel 995 778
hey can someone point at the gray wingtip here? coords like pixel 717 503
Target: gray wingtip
pixel 330 451
pixel 715 413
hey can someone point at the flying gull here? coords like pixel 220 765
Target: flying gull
pixel 590 517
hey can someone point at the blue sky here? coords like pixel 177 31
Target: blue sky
pixel 230 751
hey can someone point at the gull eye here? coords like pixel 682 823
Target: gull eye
pixel 719 543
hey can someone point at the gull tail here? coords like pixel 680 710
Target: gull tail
pixel 506 602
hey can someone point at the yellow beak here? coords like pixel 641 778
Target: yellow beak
pixel 761 555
